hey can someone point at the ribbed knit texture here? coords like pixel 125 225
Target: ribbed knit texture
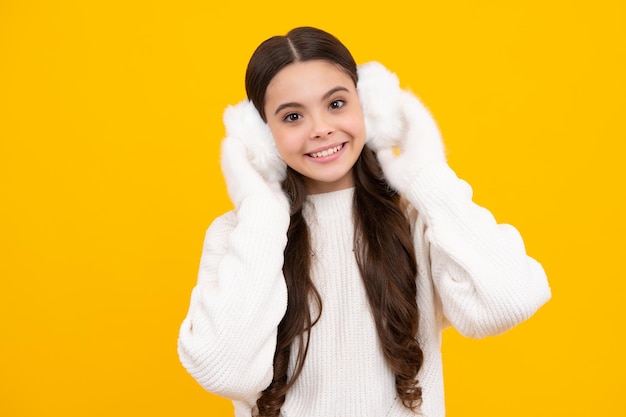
pixel 473 274
pixel 344 366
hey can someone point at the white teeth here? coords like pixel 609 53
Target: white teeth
pixel 327 152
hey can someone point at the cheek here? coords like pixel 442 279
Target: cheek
pixel 287 141
pixel 356 127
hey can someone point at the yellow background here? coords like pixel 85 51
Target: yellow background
pixel 110 123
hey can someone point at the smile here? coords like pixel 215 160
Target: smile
pixel 327 152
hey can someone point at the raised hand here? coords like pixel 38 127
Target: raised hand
pixel 250 162
pixel 399 127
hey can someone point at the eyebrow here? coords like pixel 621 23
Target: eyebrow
pixel 324 97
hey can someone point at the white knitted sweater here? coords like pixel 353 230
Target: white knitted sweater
pixel 473 274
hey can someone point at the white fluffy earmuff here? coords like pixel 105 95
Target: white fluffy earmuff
pixel 380 95
pixel 392 115
pixel 244 122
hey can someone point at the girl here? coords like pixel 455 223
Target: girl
pixel 351 247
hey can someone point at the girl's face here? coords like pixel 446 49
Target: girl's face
pixel 315 116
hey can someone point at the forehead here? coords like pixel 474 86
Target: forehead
pixel 302 81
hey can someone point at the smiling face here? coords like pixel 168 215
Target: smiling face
pixel 313 110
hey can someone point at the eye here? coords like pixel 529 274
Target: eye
pixel 336 104
pixel 292 117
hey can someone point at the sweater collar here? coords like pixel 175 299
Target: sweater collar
pixel 335 204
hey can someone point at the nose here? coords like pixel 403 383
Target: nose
pixel 321 127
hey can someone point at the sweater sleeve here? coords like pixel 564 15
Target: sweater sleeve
pixel 486 282
pixel 228 338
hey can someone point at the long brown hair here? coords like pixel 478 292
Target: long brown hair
pixel 382 239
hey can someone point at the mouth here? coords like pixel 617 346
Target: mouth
pixel 326 152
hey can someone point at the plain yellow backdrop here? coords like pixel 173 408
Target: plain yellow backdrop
pixel 110 124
